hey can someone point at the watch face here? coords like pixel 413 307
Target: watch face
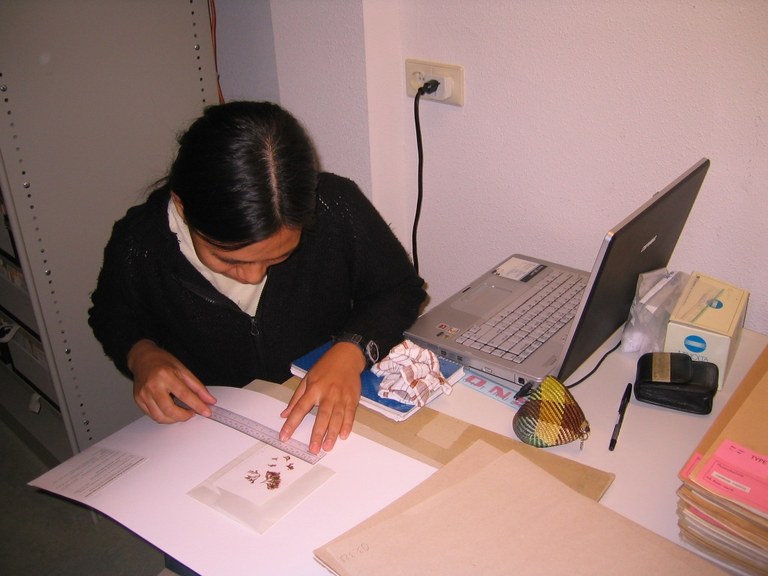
pixel 369 348
pixel 372 351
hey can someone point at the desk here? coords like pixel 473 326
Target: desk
pixel 654 442
pixel 653 446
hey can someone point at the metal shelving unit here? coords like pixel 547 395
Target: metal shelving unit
pixel 92 96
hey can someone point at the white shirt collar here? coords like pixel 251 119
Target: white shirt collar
pixel 246 296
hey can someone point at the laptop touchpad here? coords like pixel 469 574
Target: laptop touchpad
pixel 483 300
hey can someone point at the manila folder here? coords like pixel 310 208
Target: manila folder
pixel 489 512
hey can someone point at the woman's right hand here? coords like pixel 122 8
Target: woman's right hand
pixel 158 377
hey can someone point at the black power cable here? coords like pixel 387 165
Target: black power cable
pixel 527 388
pixel 428 87
pixel 599 362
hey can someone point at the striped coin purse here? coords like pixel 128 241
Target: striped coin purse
pixel 550 417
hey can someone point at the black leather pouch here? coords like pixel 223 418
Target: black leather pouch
pixel 674 380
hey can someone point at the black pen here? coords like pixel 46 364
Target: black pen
pixel 622 411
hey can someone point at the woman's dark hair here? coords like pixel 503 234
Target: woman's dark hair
pixel 243 171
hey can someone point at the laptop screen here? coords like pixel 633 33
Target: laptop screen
pixel 644 241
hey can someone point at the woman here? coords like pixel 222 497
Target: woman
pixel 245 258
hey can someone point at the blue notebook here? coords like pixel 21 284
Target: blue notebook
pixel 371 383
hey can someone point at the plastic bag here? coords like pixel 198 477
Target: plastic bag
pixel 655 298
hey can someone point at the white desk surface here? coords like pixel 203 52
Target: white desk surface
pixel 653 445
pixel 654 442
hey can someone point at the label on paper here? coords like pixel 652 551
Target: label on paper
pixel 739 474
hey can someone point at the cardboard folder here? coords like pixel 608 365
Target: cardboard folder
pixel 735 420
pixel 492 512
pixel 717 516
pixel 436 439
pixel 742 421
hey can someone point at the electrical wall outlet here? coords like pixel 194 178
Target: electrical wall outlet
pixel 450 76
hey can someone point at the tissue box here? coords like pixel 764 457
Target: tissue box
pixel 706 322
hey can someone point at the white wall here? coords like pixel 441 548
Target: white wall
pixel 576 112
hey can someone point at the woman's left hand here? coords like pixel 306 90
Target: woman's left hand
pixel 333 385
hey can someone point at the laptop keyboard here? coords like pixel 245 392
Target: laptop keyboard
pixel 520 329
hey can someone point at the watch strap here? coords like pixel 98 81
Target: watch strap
pixel 368 347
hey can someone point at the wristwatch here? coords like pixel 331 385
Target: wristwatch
pixel 369 348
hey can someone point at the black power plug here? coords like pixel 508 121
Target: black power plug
pixel 429 87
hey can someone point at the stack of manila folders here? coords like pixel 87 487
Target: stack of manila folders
pixel 723 500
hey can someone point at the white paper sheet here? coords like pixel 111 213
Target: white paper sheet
pixel 151 498
pixel 82 477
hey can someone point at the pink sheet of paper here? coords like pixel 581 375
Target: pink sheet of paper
pixel 739 474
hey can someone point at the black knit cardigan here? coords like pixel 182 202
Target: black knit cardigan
pixel 349 274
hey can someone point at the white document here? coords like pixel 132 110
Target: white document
pixel 142 476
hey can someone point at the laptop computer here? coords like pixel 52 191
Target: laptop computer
pixel 574 311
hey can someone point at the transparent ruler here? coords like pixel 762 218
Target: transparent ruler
pixel 260 432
